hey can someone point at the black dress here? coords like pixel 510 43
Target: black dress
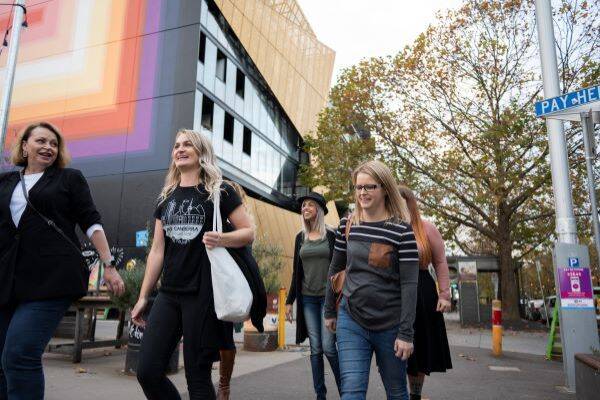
pixel 431 350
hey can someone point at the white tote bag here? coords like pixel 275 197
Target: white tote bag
pixel 231 292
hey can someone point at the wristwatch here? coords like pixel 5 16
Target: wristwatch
pixel 111 264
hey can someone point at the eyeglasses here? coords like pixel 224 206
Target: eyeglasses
pixel 367 188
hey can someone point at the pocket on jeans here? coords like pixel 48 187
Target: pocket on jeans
pixel 380 255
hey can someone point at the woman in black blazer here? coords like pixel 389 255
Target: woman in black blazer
pixel 41 271
pixel 313 251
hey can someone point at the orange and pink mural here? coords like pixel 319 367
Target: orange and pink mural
pixel 84 65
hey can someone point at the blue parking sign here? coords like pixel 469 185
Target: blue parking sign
pixel 573 262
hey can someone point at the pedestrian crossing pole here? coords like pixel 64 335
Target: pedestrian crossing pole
pixel 497 327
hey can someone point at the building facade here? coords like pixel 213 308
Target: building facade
pixel 119 78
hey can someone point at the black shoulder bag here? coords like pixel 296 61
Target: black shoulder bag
pixel 46 219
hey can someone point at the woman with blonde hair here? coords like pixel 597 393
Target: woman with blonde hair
pixel 377 309
pixel 313 250
pixel 432 353
pixel 184 305
pixel 42 270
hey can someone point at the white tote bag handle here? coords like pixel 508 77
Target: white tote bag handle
pixel 217 222
pixel 231 292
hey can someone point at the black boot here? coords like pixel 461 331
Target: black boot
pixel 415 396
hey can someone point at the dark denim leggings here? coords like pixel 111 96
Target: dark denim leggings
pixel 25 330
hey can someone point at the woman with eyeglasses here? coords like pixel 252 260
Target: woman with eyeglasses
pixel 377 310
pixel 313 250
pixel 432 353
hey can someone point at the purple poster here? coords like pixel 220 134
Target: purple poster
pixel 575 288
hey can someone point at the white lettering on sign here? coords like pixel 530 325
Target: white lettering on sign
pixel 564 100
pixel 592 93
pixel 545 105
pixel 581 97
pixel 555 106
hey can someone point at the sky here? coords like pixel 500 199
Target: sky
pixel 355 29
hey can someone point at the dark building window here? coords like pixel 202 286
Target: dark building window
pixel 202 51
pixel 207 113
pixel 247 144
pixel 240 79
pixel 228 128
pixel 221 66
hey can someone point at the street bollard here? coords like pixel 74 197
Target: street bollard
pixel 497 327
pixel 281 319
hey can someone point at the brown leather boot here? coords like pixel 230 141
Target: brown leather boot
pixel 225 370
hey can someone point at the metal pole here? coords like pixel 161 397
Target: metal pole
pixel 566 228
pixel 588 131
pixel 11 65
pixel 538 268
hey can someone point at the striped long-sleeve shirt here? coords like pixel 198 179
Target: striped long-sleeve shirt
pixel 381 261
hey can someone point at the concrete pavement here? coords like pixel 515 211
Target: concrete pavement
pixel 287 375
pixel 476 375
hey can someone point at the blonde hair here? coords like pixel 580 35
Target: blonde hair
pixel 395 205
pixel 318 224
pixel 63 157
pixel 208 171
pixel 417 225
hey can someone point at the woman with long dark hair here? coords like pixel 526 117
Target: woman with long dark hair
pixel 432 353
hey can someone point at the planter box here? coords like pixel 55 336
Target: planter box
pixel 587 376
pixel 260 342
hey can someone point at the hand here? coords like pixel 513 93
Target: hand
pixel 138 311
pixel 331 324
pixel 113 281
pixel 212 239
pixel 288 312
pixel 443 305
pixel 403 349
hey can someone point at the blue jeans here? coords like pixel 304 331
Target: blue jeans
pixel 321 341
pixel 25 330
pixel 356 346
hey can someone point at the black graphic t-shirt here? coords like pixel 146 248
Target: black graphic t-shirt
pixel 185 215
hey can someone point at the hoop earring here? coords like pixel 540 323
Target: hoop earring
pixel 25 154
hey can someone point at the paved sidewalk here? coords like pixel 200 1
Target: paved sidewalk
pixel 517 376
pixel 286 374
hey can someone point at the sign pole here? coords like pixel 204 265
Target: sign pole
pixel 579 331
pixel 566 228
pixel 588 134
pixel 11 64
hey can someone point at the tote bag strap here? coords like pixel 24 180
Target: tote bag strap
pixel 217 222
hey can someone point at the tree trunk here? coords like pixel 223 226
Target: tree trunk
pixel 510 296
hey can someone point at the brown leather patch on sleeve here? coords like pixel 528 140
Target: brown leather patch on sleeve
pixel 380 255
